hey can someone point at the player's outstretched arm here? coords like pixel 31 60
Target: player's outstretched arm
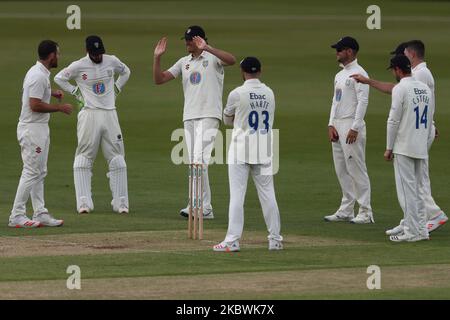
pixel 37 105
pixel 160 77
pixel 385 87
pixel 227 58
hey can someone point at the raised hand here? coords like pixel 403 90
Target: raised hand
pixel 200 43
pixel 160 48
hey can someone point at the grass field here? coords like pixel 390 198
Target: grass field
pixel 146 254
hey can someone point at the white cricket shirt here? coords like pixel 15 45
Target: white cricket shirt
pixel 423 74
pixel 96 81
pixel 410 119
pixel 350 98
pixel 253 107
pixel 202 79
pixel 35 85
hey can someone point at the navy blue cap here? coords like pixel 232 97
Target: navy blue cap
pixel 94 45
pixel 251 65
pixel 193 31
pixel 346 42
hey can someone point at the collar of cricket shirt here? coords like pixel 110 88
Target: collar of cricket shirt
pixel 252 81
pixel 42 67
pixel 421 65
pixel 201 56
pixel 349 65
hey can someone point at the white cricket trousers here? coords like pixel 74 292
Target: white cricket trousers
pixel 431 208
pixel 200 135
pixel 409 180
pixel 34 141
pixel 351 170
pixel 238 176
pixel 100 128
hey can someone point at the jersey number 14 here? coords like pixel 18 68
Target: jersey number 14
pixel 423 119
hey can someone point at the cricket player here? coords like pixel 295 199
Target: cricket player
pixel 33 134
pixel 347 134
pixel 415 51
pixel 409 134
pixel 250 109
pixel 202 74
pixel 98 125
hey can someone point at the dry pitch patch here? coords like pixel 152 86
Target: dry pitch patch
pixel 143 241
pixel 237 285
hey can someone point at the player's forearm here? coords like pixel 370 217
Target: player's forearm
pixel 158 75
pixel 360 113
pixel 392 129
pixel 228 120
pixel 385 87
pixel 123 78
pixel 43 107
pixel 332 113
pixel 224 56
pixel 64 84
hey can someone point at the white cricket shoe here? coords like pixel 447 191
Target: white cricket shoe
pixel 22 221
pixel 47 220
pixel 275 245
pixel 363 218
pixel 407 238
pixel 122 208
pixel 338 217
pixel 84 207
pixel 395 231
pixel 207 213
pixel 436 222
pixel 227 246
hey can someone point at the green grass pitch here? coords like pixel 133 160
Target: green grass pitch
pixel 146 254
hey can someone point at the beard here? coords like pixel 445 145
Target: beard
pixel 96 60
pixel 54 64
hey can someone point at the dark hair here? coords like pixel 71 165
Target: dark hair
pixel 47 47
pixel 417 46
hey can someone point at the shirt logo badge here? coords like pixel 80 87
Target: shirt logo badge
pixel 348 82
pixel 84 76
pixel 187 67
pixel 338 95
pixel 195 78
pixel 205 63
pixel 38 150
pixel 98 88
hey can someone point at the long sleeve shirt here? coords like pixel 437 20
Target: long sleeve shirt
pixel 350 98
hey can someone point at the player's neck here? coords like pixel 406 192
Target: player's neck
pixel 46 64
pixel 348 61
pixel 197 53
pixel 415 63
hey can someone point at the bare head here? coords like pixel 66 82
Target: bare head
pixel 346 50
pixel 415 51
pixel 48 52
